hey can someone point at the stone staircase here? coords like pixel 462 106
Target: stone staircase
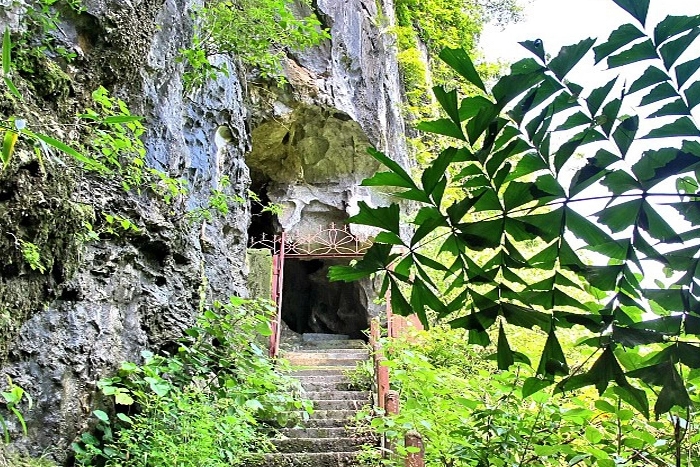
pixel 324 441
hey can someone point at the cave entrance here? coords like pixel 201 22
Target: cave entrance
pixel 313 304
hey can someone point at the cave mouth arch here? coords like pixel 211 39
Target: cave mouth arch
pixel 313 304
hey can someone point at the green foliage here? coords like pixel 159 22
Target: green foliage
pixel 32 255
pixel 471 414
pixel 114 140
pixel 12 397
pixel 259 32
pixel 515 199
pixel 439 24
pixel 201 406
pixel 40 24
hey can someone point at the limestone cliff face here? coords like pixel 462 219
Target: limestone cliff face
pixel 305 145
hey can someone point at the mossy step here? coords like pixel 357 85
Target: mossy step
pixel 324 422
pixel 348 363
pixel 345 444
pixel 340 404
pixel 307 459
pixel 312 384
pixel 348 344
pixel 320 432
pixel 337 395
pixel 320 371
pixel 321 337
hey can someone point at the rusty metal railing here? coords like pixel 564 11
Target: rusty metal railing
pixel 388 399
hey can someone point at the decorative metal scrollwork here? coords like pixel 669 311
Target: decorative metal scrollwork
pixel 334 241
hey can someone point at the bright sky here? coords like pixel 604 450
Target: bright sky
pixel 565 22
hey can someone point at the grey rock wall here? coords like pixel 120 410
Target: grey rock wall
pixel 139 291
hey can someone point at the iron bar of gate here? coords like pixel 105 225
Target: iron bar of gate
pixel 278 287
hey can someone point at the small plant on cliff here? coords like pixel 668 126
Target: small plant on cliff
pixel 258 32
pixel 11 398
pixel 202 405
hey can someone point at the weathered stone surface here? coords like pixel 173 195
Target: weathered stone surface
pixel 139 291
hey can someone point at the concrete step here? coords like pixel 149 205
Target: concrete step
pixel 352 347
pixel 345 444
pixel 310 459
pixel 320 371
pixel 320 383
pixel 327 353
pixel 317 337
pixel 337 395
pixel 339 344
pixel 302 359
pixel 319 432
pixel 340 404
pixel 331 414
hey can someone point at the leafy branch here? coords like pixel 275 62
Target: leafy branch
pixel 550 211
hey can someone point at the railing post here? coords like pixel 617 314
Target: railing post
pixel 279 286
pixel 414 459
pixel 391 405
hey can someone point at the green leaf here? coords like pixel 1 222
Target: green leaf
pixel 654 224
pixel 676 107
pixel 658 165
pixel 387 179
pixel 392 166
pixel 90 163
pixel 637 53
pixel 526 317
pixel 671 51
pixel 536 47
pixel 618 39
pixel 660 92
pixel 673 393
pixel 6 51
pixel 552 361
pixel 574 120
pixel 512 85
pixel 637 8
pixel 459 60
pixel 624 134
pixel 386 218
pixel 101 415
pixel 674 25
pixel 504 354
pixel 569 56
pixel 597 96
pixel 375 259
pixel 114 119
pixel 534 384
pixel 684 126
pixel 585 229
pixel 692 95
pixel 631 338
pixel 436 171
pixel 620 216
pixel 400 305
pixel 593 171
pixel 651 76
pixel 11 86
pixel 484 119
pixel 442 126
pixel 685 70
pixel 448 101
